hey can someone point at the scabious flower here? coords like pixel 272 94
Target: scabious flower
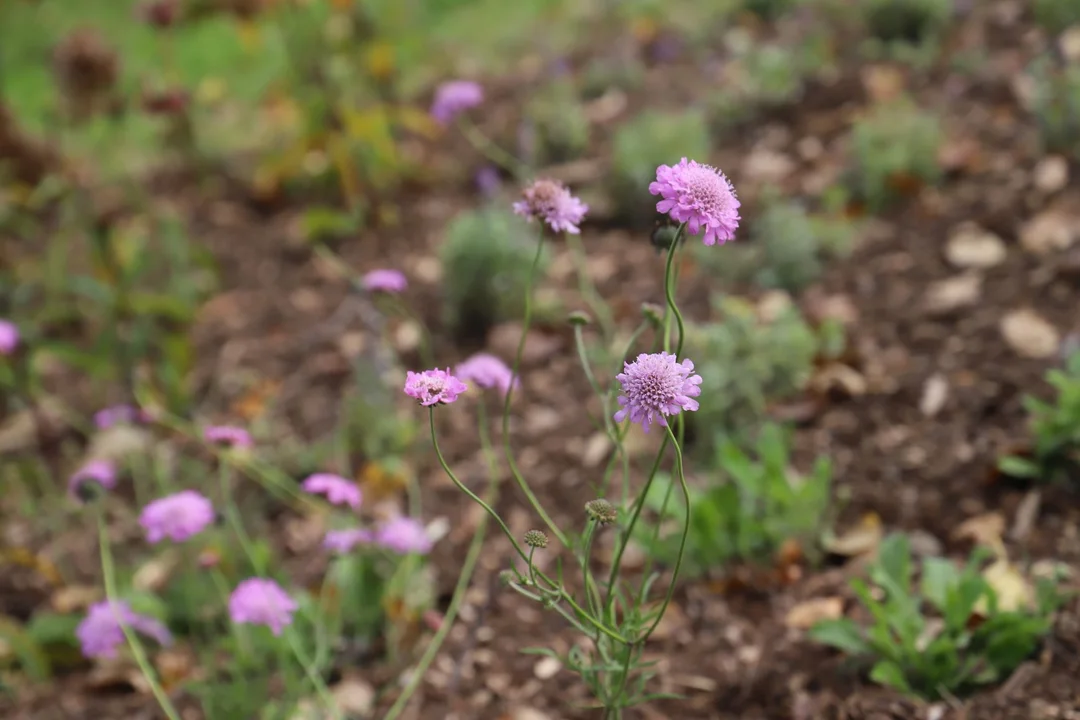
pixel 549 201
pixel 259 601
pixel 228 435
pixel 177 517
pixel 9 337
pixel 337 489
pixel 116 414
pixel 403 535
pixel 433 387
pixel 343 541
pixel 700 196
pixel 455 97
pixel 99 472
pixel 656 385
pixel 487 371
pixel 388 281
pixel 100 632
pixel 488 181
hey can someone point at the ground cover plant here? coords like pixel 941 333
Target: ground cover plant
pixel 396 359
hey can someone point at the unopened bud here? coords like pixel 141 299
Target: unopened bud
pixel 579 317
pixel 536 539
pixel 602 511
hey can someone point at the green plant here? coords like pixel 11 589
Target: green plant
pixel 769 9
pixel 910 22
pixel 649 140
pixel 486 257
pixel 948 635
pixel 1056 428
pixel 747 363
pixel 894 148
pixel 756 505
pixel 1055 101
pixel 1056 15
pixel 561 125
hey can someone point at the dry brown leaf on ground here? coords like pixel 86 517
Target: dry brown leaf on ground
pixel 986 530
pixel 861 539
pixel 809 612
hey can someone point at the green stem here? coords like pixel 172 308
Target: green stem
pixel 108 571
pixel 483 145
pixel 669 296
pixel 309 669
pixel 588 290
pixel 232 514
pixel 592 593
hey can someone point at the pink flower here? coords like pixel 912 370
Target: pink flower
pixel 337 489
pixel 177 517
pixel 343 541
pixel 404 535
pixel 549 201
pixel 116 414
pixel 99 472
pixel 433 387
pixel 100 632
pixel 700 196
pixel 228 435
pixel 656 385
pixel 388 281
pixel 453 98
pixel 9 337
pixel 259 601
pixel 487 371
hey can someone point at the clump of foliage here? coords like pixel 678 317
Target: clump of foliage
pixel 561 125
pixel 769 9
pixel 907 22
pixel 894 149
pixel 947 636
pixel 486 260
pixel 1056 427
pixel 651 139
pixel 1056 15
pixel 756 506
pixel 746 363
pixel 1055 102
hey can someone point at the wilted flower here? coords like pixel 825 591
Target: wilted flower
pixel 178 516
pixel 100 632
pixel 343 541
pixel 87 70
pixel 536 539
pixel 656 385
pixel 9 337
pixel 116 414
pixel 99 472
pixel 228 435
pixel 433 387
pixel 700 196
pixel 259 601
pixel 403 535
pixel 337 489
pixel 159 13
pixel 455 97
pixel 601 511
pixel 172 101
pixel 388 281
pixel 487 371
pixel 549 201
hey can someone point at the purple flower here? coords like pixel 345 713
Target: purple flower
pixel 101 472
pixel 488 181
pixel 337 489
pixel 404 535
pixel 388 281
pixel 342 541
pixel 228 435
pixel 487 371
pixel 258 601
pixel 433 387
pixel 100 632
pixel 549 201
pixel 453 98
pixel 9 337
pixel 656 385
pixel 700 196
pixel 177 517
pixel 117 414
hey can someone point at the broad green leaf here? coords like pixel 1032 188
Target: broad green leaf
pixel 842 634
pixel 939 576
pixel 26 649
pixel 1018 467
pixel 891 675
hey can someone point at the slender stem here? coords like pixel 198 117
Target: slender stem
pixel 483 145
pixel 108 571
pixel 592 593
pixel 309 670
pixel 669 296
pixel 685 533
pixel 232 514
pixel 514 376
pixel 588 290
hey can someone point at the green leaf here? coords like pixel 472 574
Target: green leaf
pixel 894 559
pixel 939 577
pixel 1019 467
pixel 890 674
pixel 842 634
pixel 32 659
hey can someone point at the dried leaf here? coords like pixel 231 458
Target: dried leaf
pixel 806 614
pixel 1012 589
pixel 861 539
pixel 986 530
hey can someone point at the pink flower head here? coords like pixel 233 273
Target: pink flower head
pixel 343 541
pixel 9 337
pixel 258 601
pixel 117 414
pixel 100 632
pixel 388 281
pixel 99 472
pixel 549 201
pixel 433 387
pixel 455 97
pixel 404 535
pixel 700 196
pixel 487 371
pixel 656 385
pixel 178 516
pixel 337 489
pixel 228 435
